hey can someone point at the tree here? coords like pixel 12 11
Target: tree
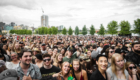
pixel 70 31
pixel 137 26
pixel 76 30
pixel 125 27
pixel 64 31
pixel 84 30
pixel 92 30
pixel 102 30
pixel 49 31
pixel 112 27
pixel 54 30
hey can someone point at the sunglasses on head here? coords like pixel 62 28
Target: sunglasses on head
pixel 132 67
pixel 111 51
pixel 46 60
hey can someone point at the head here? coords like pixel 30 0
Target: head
pixel 43 46
pixel 14 56
pixel 117 62
pixel 89 53
pixel 129 66
pixel 59 57
pixel 38 57
pixel 101 44
pixel 4 47
pixel 65 68
pixel 136 47
pixel 102 62
pixel 26 57
pixel 76 65
pixel 50 52
pixel 63 51
pixel 47 59
pixel 109 52
pixel 70 53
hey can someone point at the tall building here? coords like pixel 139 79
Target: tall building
pixel 44 20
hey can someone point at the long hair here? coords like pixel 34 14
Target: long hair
pixel 113 65
pixel 127 64
pixel 79 70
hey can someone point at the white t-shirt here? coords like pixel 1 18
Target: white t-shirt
pixel 99 49
pixel 10 65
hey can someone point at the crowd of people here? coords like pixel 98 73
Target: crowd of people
pixel 63 57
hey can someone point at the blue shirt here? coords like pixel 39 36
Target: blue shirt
pixel 33 71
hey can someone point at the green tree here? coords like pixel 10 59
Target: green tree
pixel 92 30
pixel 102 30
pixel 49 31
pixel 125 27
pixel 76 30
pixel 112 27
pixel 64 31
pixel 46 30
pixel 84 30
pixel 54 30
pixel 137 26
pixel 70 31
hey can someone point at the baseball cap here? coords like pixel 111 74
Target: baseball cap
pixel 43 44
pixel 2 63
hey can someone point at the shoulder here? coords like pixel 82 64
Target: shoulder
pixel 35 66
pixel 109 70
pixel 54 67
pixel 84 72
pixel 55 64
pixel 94 75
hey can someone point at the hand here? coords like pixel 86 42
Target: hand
pixel 134 71
pixel 27 78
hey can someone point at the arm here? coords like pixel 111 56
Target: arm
pixel 85 75
pixel 78 53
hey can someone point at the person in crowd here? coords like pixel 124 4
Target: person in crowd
pixel 99 49
pixel 63 52
pixel 104 49
pixel 39 60
pixel 117 70
pixel 26 70
pixel 58 60
pixel 14 61
pixel 17 49
pixel 47 70
pixel 134 55
pixel 100 73
pixel 109 52
pixel 132 70
pixel 43 48
pixel 69 58
pixel 78 73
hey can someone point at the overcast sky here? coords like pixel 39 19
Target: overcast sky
pixel 69 12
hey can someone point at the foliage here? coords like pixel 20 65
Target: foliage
pixel 102 30
pixel 125 27
pixel 21 31
pixel 49 31
pixel 112 27
pixel 84 30
pixel 92 30
pixel 76 30
pixel 64 31
pixel 70 31
pixel 137 26
pixel 54 30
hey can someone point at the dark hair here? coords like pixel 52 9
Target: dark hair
pixel 100 55
pixel 107 51
pixel 24 50
pixel 46 55
pixel 104 48
pixel 135 43
pixel 39 56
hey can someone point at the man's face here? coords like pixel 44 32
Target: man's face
pixel 102 63
pixel 70 53
pixel 136 48
pixel 47 61
pixel 26 58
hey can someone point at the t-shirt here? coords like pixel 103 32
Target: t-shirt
pixel 74 56
pixel 10 65
pixel 99 49
pixel 114 77
pixel 47 73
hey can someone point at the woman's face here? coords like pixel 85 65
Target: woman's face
pixel 60 57
pixel 17 46
pixel 129 68
pixel 66 68
pixel 35 52
pixel 4 47
pixel 111 52
pixel 119 62
pixel 36 60
pixel 76 65
pixel 62 51
pixel 14 57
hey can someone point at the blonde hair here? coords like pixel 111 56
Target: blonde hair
pixel 127 65
pixel 56 58
pixel 113 65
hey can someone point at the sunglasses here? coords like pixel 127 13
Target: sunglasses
pixel 46 60
pixel 13 56
pixel 111 51
pixel 132 67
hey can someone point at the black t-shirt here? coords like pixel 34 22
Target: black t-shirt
pixel 47 73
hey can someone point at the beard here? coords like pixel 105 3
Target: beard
pixel 137 51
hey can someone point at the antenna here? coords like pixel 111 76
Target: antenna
pixel 42 10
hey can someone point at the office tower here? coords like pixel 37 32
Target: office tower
pixel 44 21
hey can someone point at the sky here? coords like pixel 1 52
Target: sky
pixel 69 12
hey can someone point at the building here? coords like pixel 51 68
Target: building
pixel 2 26
pixel 44 21
pixel 60 27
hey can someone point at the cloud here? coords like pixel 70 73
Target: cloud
pixel 25 4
